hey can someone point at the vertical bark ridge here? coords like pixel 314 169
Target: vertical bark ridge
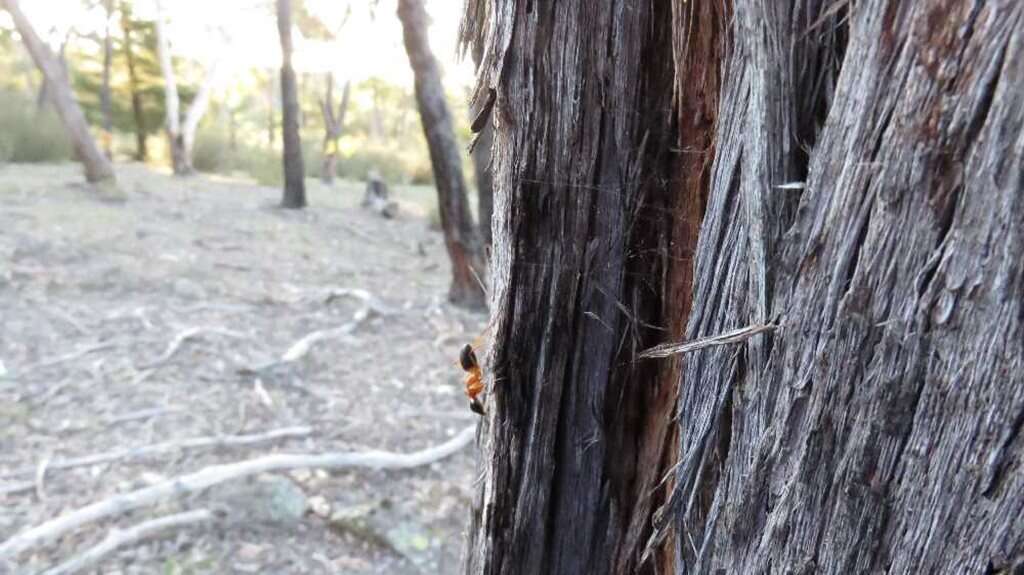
pixel 583 131
pixel 860 434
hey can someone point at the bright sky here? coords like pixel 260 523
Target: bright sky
pixel 368 45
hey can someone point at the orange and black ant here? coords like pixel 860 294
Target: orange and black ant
pixel 474 380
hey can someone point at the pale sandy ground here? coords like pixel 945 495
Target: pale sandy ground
pixel 93 292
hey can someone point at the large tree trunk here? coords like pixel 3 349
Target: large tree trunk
pixel 852 172
pixel 334 126
pixel 105 103
pixel 97 167
pixel 294 178
pixel 175 139
pixel 133 83
pixel 878 430
pixel 461 239
pixel 576 429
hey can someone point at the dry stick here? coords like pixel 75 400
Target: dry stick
pixel 300 348
pixel 735 336
pixel 215 474
pixel 118 538
pixel 12 488
pixel 67 357
pixel 193 443
pixel 182 337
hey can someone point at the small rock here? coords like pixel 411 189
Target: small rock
pixel 319 505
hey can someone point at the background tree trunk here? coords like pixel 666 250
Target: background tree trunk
pixel 105 104
pixel 461 239
pixel 722 166
pixel 175 139
pixel 197 109
pixel 43 97
pixel 334 126
pixel 97 167
pixel 294 177
pixel 133 82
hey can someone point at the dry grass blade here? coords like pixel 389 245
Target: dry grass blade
pixel 729 337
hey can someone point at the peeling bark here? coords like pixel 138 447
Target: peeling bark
pixel 852 172
pixel 864 436
pixel 580 96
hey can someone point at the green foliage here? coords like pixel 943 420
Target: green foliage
pixel 212 152
pixel 85 59
pixel 30 135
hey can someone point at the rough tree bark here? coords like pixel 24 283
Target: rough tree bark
pixel 105 103
pixel 879 428
pixel 580 96
pixel 294 179
pixel 133 83
pixel 481 153
pixel 334 125
pixel 97 167
pixel 461 239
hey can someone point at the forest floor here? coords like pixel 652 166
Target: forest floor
pixel 157 320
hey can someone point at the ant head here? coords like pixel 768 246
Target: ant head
pixel 468 358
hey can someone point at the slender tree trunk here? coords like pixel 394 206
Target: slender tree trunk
pixel 852 173
pixel 294 178
pixel 43 97
pixel 334 126
pixel 271 110
pixel 105 104
pixel 461 239
pixel 133 83
pixel 97 167
pixel 175 138
pixel 232 128
pixel 197 109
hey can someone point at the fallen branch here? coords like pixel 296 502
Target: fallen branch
pixel 12 488
pixel 118 538
pixel 362 295
pixel 216 474
pixel 300 348
pixel 193 443
pixel 182 337
pixel 67 357
pixel 729 337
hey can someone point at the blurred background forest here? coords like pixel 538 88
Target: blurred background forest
pixel 233 45
pixel 163 321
